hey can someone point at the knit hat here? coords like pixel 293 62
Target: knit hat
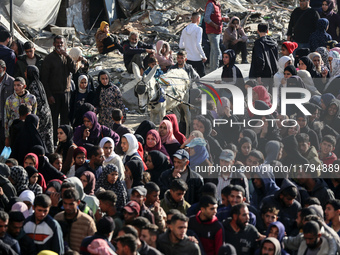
pixel 291 46
pixel 105 225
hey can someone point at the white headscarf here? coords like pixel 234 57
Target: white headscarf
pixel 103 142
pixel 335 71
pixel 79 80
pixel 28 195
pixel 133 144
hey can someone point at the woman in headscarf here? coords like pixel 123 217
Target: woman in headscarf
pixel 108 97
pixel 33 176
pixel 19 178
pixel 89 182
pixel 20 207
pixel 302 120
pixel 306 64
pixel 244 148
pixel 324 55
pixel 27 196
pixel 164 55
pixel 28 138
pixel 130 147
pixel 231 73
pixel 82 94
pixel 261 93
pixel 198 152
pixel 321 71
pixel 66 146
pixel 157 163
pixel 144 128
pixel 294 82
pixel 178 135
pixel 299 53
pixel 32 159
pixel 109 180
pixel 326 11
pixel 36 88
pixel 54 186
pixel 333 84
pixel 133 173
pixel 250 134
pixel 92 132
pixel 79 114
pixel 282 64
pixel 111 157
pixel 79 158
pixel 153 142
pixel 332 54
pixel 326 100
pixel 167 137
pixel 320 37
pixel 331 116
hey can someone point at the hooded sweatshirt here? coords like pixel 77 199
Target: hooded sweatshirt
pixel 231 34
pixel 264 58
pixel 231 73
pixel 276 244
pixel 320 37
pixel 191 40
pixel 287 215
pixel 165 59
pixel 279 75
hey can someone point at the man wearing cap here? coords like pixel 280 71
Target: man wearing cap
pixel 6 89
pixel 229 174
pixel 182 170
pixel 138 194
pixel 131 211
pixel 105 230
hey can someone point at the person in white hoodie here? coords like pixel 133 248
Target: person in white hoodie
pixel 191 40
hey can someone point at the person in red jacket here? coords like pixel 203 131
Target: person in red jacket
pixel 213 25
pixel 206 225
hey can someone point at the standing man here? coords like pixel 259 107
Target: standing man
pixel 75 224
pixel 42 228
pixel 213 25
pixel 56 78
pixel 6 89
pixel 7 54
pixel 191 40
pixel 302 24
pixel 264 58
pixel 207 227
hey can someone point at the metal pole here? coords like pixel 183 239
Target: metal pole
pixel 11 16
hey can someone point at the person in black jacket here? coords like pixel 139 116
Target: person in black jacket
pixel 133 48
pixel 182 170
pixel 264 58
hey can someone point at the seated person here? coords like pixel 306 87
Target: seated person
pixel 164 55
pixel 151 63
pixel 133 48
pixel 234 38
pixel 105 41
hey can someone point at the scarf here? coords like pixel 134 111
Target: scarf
pixel 101 145
pixel 144 128
pixel 221 108
pixel 169 138
pixel 263 94
pixel 335 71
pixel 76 152
pixel 20 178
pixel 159 146
pixel 201 154
pixel 227 73
pixel 91 183
pixel 36 165
pixel 160 163
pixel 136 168
pixel 80 78
pixel 308 63
pixel 133 144
pixel 324 55
pixel 178 135
pixel 33 76
pixel 96 128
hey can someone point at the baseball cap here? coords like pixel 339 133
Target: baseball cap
pixel 141 190
pixel 181 153
pixel 227 155
pixel 132 207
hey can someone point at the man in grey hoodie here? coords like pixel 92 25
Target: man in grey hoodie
pixel 191 39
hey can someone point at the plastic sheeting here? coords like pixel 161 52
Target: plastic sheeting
pixel 74 17
pixel 129 6
pixel 36 13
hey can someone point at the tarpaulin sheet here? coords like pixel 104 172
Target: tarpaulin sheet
pixel 36 14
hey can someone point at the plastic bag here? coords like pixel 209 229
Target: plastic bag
pixel 6 152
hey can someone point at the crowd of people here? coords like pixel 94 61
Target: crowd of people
pixel 79 181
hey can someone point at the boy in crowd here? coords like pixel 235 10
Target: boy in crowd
pixel 326 153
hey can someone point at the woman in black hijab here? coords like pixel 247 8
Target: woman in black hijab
pixel 250 134
pixel 66 146
pixel 134 173
pixel 309 65
pixel 28 138
pixel 231 73
pixel 299 54
pixel 144 128
pixel 36 88
pixel 157 163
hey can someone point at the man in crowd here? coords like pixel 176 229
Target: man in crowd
pixel 56 78
pixel 314 242
pixel 4 236
pixel 264 59
pixel 191 40
pixel 133 48
pixel 6 89
pixel 175 240
pixel 75 224
pixel 332 214
pixel 42 228
pixel 96 157
pixel 138 194
pixel 7 54
pixel 131 211
pixel 181 63
pixel 149 235
pixel 126 245
pixel 206 225
pixel 302 24
pixel 30 58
